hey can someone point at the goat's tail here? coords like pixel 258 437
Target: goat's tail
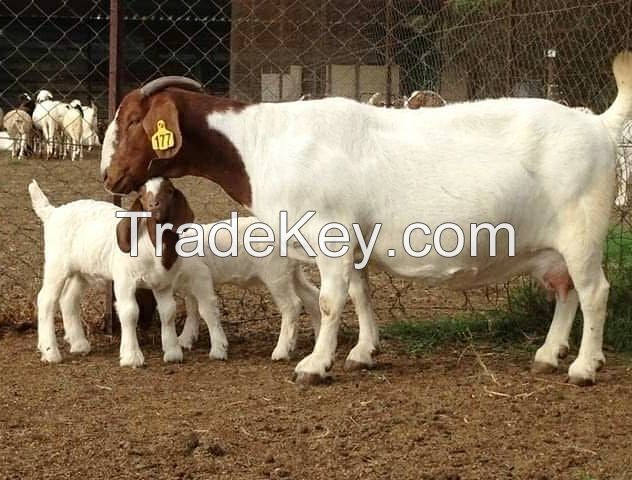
pixel 40 202
pixel 621 108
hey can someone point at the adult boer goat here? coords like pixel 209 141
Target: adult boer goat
pixel 544 168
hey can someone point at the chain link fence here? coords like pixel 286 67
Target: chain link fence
pixel 282 50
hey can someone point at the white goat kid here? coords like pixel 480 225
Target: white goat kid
pixel 85 241
pixel 282 276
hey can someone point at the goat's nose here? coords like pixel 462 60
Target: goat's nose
pixel 154 204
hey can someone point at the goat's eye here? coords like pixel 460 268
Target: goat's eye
pixel 133 123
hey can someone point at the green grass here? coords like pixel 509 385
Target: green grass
pixel 529 313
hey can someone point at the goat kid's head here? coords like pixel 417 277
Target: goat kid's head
pixel 144 133
pixel 166 204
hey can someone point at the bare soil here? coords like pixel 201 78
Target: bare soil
pixel 459 413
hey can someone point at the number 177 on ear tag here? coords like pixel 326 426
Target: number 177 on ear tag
pixel 162 139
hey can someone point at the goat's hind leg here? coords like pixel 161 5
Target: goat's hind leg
pixel 70 306
pixel 556 344
pixel 583 259
pixel 207 307
pixel 289 304
pixel 47 298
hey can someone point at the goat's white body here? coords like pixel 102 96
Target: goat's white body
pixel 73 123
pixel 19 125
pixel 48 117
pixel 546 169
pixel 491 161
pixel 80 246
pixel 90 138
pixel 282 276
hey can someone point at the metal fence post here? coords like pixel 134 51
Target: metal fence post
pixel 114 92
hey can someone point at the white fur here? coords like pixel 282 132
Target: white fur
pixel 109 143
pixel 19 125
pixel 48 117
pixel 90 126
pixel 282 276
pixel 73 129
pixel 545 168
pixel 80 246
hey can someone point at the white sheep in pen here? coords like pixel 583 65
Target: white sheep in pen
pixel 543 168
pixel 19 126
pixel 48 117
pixel 85 241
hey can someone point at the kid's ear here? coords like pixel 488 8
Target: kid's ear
pixel 169 254
pixel 180 212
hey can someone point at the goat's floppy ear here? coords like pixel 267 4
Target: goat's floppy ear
pixel 124 228
pixel 180 211
pixel 162 126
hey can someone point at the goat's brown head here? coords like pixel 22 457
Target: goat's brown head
pixel 166 204
pixel 145 130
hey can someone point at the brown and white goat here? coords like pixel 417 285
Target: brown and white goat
pixel 388 169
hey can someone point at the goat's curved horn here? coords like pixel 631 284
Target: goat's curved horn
pixel 171 81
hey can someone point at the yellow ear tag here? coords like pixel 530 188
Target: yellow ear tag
pixel 163 139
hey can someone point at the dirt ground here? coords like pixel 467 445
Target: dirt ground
pixel 458 413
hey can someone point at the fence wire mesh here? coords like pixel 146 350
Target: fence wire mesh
pixel 280 50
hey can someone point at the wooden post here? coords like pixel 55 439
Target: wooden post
pixel 114 96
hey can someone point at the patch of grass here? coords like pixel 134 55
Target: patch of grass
pixel 529 313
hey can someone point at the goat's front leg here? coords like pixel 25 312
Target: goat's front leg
pixel 335 276
pixel 361 356
pixel 167 310
pixel 127 309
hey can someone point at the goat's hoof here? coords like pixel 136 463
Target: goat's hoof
pixel 133 360
pixel 353 365
pixel 281 355
pixel 305 378
pixel 600 364
pixel 82 347
pixel 563 352
pixel 582 373
pixel 51 355
pixel 581 381
pixel 218 354
pixel 543 368
pixel 186 342
pixel 173 356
